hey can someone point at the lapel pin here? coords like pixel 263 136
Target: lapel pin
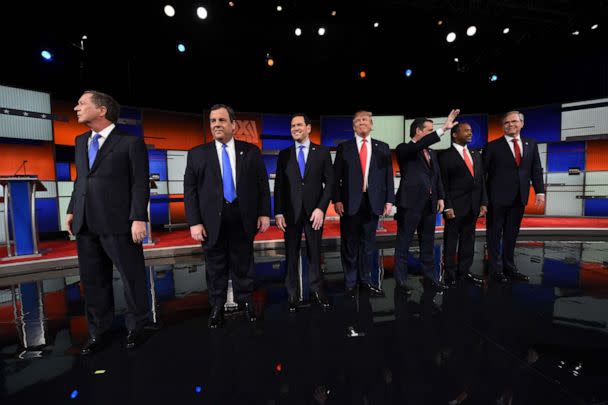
pixel 313 149
pixel 376 144
pixel 241 153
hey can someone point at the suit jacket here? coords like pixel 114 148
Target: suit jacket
pixel 463 192
pixel 116 190
pixel 204 192
pixel 349 179
pixel 292 193
pixel 505 179
pixel 417 178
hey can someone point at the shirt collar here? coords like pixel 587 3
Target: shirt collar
pixel 104 132
pixel 458 147
pixel 509 137
pixel 229 144
pixel 360 139
pixel 305 143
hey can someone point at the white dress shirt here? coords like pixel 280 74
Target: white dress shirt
pixel 369 155
pixel 231 155
pixel 306 144
pixel 521 146
pixel 104 135
pixel 461 150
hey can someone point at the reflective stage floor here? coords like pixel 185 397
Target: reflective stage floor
pixel 544 342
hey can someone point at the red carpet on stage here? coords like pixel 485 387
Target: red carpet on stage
pixel 64 249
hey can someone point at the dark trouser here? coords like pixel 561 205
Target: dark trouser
pixel 230 257
pixel 96 254
pixel 410 221
pixel 358 241
pixel 459 235
pixel 503 222
pixel 293 239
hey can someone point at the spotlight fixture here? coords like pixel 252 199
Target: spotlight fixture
pixel 594 26
pixel 169 10
pixel 376 24
pixel 279 8
pixel 408 72
pixel 493 78
pixel 201 12
pixel 362 74
pixel 46 55
pixel 456 60
pixel 84 37
pixel 451 37
pixel 181 48
pixel 231 4
pixel 440 22
pixel 506 30
pixel 575 32
pixel 298 32
pixel 321 31
pixel 269 60
pixel 472 30
pixel 333 13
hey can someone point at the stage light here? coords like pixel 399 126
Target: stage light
pixel 321 31
pixel 74 394
pixel 594 26
pixel 493 77
pixel 298 32
pixel 46 55
pixel 408 72
pixel 376 24
pixel 506 30
pixel 201 12
pixel 169 10
pixel 269 60
pixel 278 367
pixel 231 4
pixel 198 389
pixel 181 47
pixel 279 8
pixel 456 60
pixel 362 74
pixel 472 30
pixel 451 37
pixel 333 13
pixel 440 22
pixel 575 32
pixel 84 37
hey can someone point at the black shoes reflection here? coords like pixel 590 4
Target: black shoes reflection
pixel 216 318
pixel 95 344
pixel 321 300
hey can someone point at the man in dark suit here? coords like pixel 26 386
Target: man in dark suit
pixel 302 190
pixel 227 200
pixel 108 213
pixel 364 190
pixel 511 163
pixel 419 197
pixel 465 199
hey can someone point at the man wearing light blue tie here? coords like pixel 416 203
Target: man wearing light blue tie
pixel 227 200
pixel 302 191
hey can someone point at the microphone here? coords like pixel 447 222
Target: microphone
pixel 19 168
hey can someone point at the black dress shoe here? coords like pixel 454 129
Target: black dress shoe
pixel 293 302
pixel 436 285
pixel 351 291
pixel 516 275
pixel 134 338
pixel 500 278
pixel 249 311
pixel 320 298
pixel 403 289
pixel 216 318
pixel 94 344
pixel 450 281
pixel 472 278
pixel 373 290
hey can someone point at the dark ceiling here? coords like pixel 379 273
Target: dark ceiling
pixel 131 53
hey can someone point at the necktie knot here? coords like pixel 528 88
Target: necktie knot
pixel 96 137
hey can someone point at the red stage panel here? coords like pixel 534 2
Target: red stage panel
pixel 495 129
pixel 532 209
pixel 597 156
pixel 166 130
pixel 40 159
pixel 66 132
pixel 55 304
pixel 177 212
pixel 395 163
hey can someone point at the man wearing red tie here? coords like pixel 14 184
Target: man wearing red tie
pixel 465 199
pixel 511 163
pixel 419 198
pixel 364 191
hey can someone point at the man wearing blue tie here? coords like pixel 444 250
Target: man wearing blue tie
pixel 303 187
pixel 227 200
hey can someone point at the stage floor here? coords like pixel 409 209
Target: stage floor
pixel 544 342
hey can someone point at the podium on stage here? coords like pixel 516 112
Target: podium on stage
pixel 20 213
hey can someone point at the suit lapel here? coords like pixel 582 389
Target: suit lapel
pixel 460 160
pixel 508 151
pixel 524 146
pixel 111 141
pixel 240 155
pixel 312 154
pixel 292 163
pixel 374 158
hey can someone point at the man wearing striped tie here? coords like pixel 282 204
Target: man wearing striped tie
pixel 227 201
pixel 465 200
